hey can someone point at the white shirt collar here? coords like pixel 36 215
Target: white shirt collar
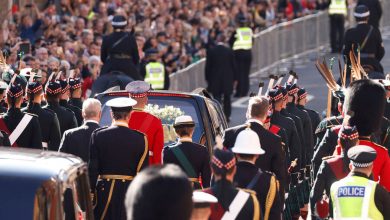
pixel 91 121
pixel 256 121
pixel 185 139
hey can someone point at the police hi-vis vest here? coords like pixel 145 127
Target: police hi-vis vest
pixel 338 7
pixel 353 199
pixel 155 75
pixel 243 39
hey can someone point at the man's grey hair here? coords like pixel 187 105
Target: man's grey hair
pixel 91 108
pixel 54 59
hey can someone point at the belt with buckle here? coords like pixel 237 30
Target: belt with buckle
pixel 116 177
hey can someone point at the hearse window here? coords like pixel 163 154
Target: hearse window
pixel 47 202
pixel 168 108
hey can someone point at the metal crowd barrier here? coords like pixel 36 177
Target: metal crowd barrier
pixel 385 20
pixel 270 46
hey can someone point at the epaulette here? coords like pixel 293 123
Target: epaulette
pixel 328 157
pixel 248 191
pixel 31 114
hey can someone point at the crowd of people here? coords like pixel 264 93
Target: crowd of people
pixel 69 34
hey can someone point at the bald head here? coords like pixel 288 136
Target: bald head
pixel 92 109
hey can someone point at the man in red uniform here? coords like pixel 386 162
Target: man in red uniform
pixel 364 106
pixel 145 122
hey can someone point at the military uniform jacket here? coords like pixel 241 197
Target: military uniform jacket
pixel 31 136
pixel 326 147
pixel 307 129
pixel 324 125
pixel 281 132
pixel 251 209
pixel 299 126
pixel 266 188
pixel 196 154
pixel 151 126
pixel 373 46
pixel 326 176
pixel 274 158
pixel 48 122
pixel 315 120
pixel 75 110
pixel 65 116
pixel 115 150
pixel 76 141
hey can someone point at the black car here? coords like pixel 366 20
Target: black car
pixel 37 184
pixel 207 113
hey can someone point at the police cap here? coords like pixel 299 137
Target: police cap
pixel 361 11
pixel 119 21
pixel 361 155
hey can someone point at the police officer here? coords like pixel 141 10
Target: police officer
pixel 241 42
pixel 65 116
pixel 274 158
pixel 332 168
pixel 375 8
pixel 247 150
pixel 48 121
pixel 145 122
pixel 22 128
pixel 75 93
pixel 366 38
pixel 117 154
pixel 337 12
pixel 223 166
pixel 119 54
pixel 64 98
pixel 154 72
pixel 193 158
pixel 356 196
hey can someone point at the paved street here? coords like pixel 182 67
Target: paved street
pixel 309 78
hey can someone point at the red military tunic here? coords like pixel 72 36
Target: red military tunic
pixel 381 169
pixel 151 126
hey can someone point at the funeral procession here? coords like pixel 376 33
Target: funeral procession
pixel 195 109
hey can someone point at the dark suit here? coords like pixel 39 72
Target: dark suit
pixel 115 150
pixel 49 124
pixel 375 8
pixel 65 116
pixel 274 158
pixel 76 141
pixel 76 102
pixel 31 136
pixel 244 175
pixel 196 154
pixel 220 74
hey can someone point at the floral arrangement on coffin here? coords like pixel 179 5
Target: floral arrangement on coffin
pixel 167 115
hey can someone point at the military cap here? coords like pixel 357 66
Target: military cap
pixel 361 11
pixel 15 90
pixel 184 120
pixel 302 93
pixel 27 72
pixel 121 104
pixel 275 95
pixel 53 87
pixel 222 161
pixel 247 142
pixel 119 21
pixel 348 132
pixel 361 155
pixel 365 104
pixel 34 87
pixel 339 94
pixel 202 199
pixel 291 88
pixel 74 83
pixel 138 89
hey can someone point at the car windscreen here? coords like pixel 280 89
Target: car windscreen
pixel 167 108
